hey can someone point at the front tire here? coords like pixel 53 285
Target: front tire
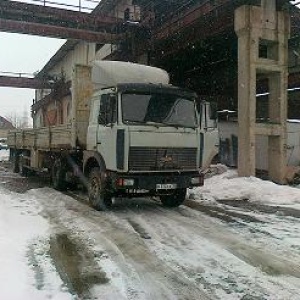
pixel 175 199
pixel 98 197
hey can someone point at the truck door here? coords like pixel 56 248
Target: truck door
pixel 107 129
pixel 209 138
pixel 93 124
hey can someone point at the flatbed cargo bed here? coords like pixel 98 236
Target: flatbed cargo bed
pixel 44 138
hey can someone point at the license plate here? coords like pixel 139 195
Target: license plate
pixel 166 186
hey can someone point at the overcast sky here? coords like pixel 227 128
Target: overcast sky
pixel 25 54
pixel 20 53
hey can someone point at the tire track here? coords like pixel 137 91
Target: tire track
pixel 271 266
pixel 147 276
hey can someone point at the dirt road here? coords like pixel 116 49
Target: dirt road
pixel 141 250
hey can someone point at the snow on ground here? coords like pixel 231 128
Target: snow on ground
pixel 228 186
pixel 183 248
pixel 22 234
pixel 4 154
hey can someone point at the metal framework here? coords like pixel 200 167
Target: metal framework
pixel 190 22
pixel 33 19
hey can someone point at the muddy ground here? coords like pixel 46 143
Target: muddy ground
pixel 141 250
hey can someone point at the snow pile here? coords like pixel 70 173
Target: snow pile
pixel 4 155
pixel 228 186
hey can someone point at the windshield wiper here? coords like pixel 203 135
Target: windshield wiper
pixel 177 125
pixel 159 124
pixel 156 124
pixel 151 123
pixel 133 122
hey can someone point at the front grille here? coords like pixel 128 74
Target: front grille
pixel 153 159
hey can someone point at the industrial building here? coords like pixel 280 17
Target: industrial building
pixel 206 45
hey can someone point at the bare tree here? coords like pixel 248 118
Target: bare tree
pixel 18 120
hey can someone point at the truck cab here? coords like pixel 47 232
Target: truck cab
pixel 146 139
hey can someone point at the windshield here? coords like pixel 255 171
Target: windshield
pixel 159 108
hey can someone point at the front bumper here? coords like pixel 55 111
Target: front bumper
pixel 155 182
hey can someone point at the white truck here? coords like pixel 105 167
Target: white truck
pixel 131 134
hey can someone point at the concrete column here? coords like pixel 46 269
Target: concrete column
pixel 262 28
pixel 247 56
pixel 82 90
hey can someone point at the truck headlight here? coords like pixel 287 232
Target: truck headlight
pixel 128 182
pixel 125 182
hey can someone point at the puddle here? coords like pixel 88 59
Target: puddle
pixel 76 265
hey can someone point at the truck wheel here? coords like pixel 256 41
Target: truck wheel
pixel 98 198
pixel 58 172
pixel 22 169
pixel 16 159
pixel 174 199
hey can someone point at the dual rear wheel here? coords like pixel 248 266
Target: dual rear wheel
pixel 58 174
pixel 20 163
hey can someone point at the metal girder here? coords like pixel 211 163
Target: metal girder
pixel 28 12
pixel 33 19
pixel 23 82
pixel 57 31
pixel 203 20
pixel 191 17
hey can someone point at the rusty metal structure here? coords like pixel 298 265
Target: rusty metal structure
pixel 23 82
pixel 56 22
pixel 193 40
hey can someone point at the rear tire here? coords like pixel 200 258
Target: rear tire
pixel 98 196
pixel 175 199
pixel 58 173
pixel 22 168
pixel 16 159
pixel 19 166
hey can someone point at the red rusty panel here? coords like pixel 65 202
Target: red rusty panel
pixel 50 117
pixel 57 32
pixel 23 82
pixel 294 80
pixel 207 26
pixel 194 15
